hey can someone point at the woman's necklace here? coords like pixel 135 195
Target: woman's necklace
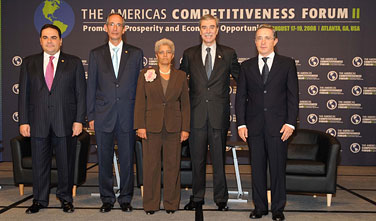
pixel 168 72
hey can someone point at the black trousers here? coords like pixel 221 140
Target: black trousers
pixel 105 144
pixel 65 151
pixel 270 149
pixel 199 140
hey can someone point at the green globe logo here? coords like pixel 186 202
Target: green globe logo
pixel 56 12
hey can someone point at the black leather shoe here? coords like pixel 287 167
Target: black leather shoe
pixel 151 212
pixel 34 208
pixel 126 207
pixel 170 211
pixel 106 207
pixel 190 206
pixel 278 216
pixel 67 206
pixel 222 206
pixel 257 214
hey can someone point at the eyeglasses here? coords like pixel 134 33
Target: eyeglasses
pixel 113 24
pixel 266 38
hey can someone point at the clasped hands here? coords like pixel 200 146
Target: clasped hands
pixel 142 134
pixel 285 130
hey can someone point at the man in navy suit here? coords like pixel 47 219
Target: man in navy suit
pixel 52 108
pixel 113 72
pixel 266 111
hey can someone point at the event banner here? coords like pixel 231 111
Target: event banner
pixel 332 43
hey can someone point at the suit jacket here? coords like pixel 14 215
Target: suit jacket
pixel 110 100
pixel 270 105
pixel 210 97
pixel 58 108
pixel 153 108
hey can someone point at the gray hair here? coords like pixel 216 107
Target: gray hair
pixel 115 13
pixel 208 17
pixel 164 41
pixel 268 27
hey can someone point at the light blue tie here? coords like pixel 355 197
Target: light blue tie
pixel 115 61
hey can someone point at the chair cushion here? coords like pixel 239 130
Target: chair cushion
pixel 306 167
pixel 302 151
pixel 27 163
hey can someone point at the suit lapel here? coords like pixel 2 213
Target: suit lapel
pixel 198 61
pixel 256 72
pixel 217 61
pixel 123 60
pixel 39 69
pixel 158 84
pixel 171 83
pixel 59 70
pixel 274 69
pixel 108 60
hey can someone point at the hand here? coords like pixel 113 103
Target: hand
pixel 25 130
pixel 91 124
pixel 142 133
pixel 243 133
pixel 287 131
pixel 184 136
pixel 77 129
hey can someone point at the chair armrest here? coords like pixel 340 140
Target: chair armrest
pixel 82 153
pixel 138 154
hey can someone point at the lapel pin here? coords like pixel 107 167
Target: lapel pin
pixel 62 60
pixel 126 52
pixel 219 56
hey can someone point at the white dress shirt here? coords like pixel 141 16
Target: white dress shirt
pixel 46 60
pixel 213 49
pixel 120 46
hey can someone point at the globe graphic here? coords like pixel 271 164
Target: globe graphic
pixel 56 12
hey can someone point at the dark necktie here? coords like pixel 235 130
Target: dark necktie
pixel 208 63
pixel 265 70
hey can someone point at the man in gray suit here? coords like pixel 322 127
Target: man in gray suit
pixel 209 66
pixel 113 72
pixel 51 108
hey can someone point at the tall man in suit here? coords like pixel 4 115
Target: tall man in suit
pixel 113 72
pixel 52 108
pixel 266 111
pixel 209 66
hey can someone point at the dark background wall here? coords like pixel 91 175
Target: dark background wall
pixel 331 41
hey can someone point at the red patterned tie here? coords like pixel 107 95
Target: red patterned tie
pixel 50 73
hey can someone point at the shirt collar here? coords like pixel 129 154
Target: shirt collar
pixel 213 47
pixel 120 45
pixel 56 55
pixel 270 56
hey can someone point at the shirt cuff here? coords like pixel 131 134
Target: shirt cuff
pixel 291 126
pixel 242 126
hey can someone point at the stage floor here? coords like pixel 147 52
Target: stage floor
pixel 355 200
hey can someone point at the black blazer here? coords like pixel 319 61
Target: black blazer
pixel 270 105
pixel 58 108
pixel 110 100
pixel 210 97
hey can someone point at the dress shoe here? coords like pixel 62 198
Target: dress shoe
pixel 190 205
pixel 170 211
pixel 257 214
pixel 106 207
pixel 34 208
pixel 222 206
pixel 67 206
pixel 126 207
pixel 151 212
pixel 278 216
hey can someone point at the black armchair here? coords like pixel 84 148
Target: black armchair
pixel 185 166
pixel 22 164
pixel 311 167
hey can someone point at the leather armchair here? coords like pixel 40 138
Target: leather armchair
pixel 312 159
pixel 22 164
pixel 185 166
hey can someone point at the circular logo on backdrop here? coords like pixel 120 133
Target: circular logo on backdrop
pixel 312 118
pixel 355 148
pixel 16 89
pixel 356 119
pixel 356 90
pixel 313 90
pixel 357 62
pixel 313 61
pixel 331 131
pixel 17 61
pixel 331 104
pixel 15 116
pixel 55 12
pixel 145 61
pixel 332 75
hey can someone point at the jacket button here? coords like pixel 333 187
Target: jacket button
pixel 117 85
pixel 207 101
pixel 265 91
pixel 265 109
pixel 208 88
pixel 164 104
pixel 118 99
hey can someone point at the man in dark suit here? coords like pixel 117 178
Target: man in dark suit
pixel 209 66
pixel 52 108
pixel 266 111
pixel 113 72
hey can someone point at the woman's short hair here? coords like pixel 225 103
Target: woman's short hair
pixel 164 41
